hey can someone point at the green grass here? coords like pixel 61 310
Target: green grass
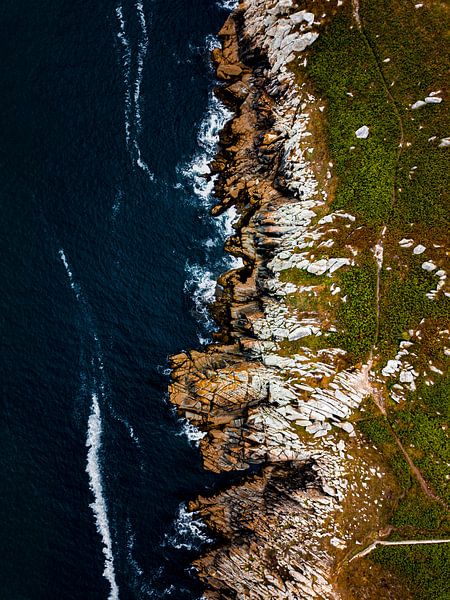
pixel 356 318
pixel 419 512
pixel 416 41
pixel 421 424
pixel 405 189
pixel 301 277
pixel 377 431
pixel 342 63
pixel 424 569
pixel 403 303
pixel 416 514
pixel 375 180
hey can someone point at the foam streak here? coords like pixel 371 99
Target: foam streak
pixel 93 442
pixel 132 110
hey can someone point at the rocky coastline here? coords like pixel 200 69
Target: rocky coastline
pixel 275 390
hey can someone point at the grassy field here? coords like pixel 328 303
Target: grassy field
pixel 396 178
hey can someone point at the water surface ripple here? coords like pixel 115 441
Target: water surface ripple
pixel 109 258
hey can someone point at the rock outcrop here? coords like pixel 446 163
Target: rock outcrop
pixel 274 390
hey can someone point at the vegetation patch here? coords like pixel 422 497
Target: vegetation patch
pixel 415 515
pixel 403 304
pixel 346 75
pixel 301 277
pixel 356 318
pixel 425 569
pixel 416 43
pixel 422 426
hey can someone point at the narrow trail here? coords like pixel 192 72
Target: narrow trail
pixel 379 250
pixel 372 546
pixel 379 247
pixel 417 474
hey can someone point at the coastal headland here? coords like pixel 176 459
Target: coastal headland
pixel 326 378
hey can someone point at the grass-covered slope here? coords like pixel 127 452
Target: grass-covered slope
pixel 395 182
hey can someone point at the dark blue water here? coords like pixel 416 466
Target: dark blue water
pixel 101 104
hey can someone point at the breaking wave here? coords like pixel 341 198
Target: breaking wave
pixel 201 278
pixel 193 434
pixel 197 172
pixel 189 532
pixel 126 65
pixel 227 4
pixel 142 53
pixel 200 285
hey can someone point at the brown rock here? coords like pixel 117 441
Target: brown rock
pixel 226 71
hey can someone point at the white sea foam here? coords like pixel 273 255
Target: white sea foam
pixel 142 53
pixel 73 284
pixel 197 172
pixel 189 532
pixel 228 4
pixel 141 162
pixel 201 280
pixel 137 569
pixel 117 204
pixel 126 63
pixel 130 430
pixel 200 285
pixel 193 434
pixel 99 508
pixel 132 101
pixel 212 41
pixel 94 441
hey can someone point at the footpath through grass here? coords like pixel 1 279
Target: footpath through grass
pixel 396 178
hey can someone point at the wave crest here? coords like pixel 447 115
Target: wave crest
pixel 190 533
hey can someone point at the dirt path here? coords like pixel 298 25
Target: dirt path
pixel 417 474
pixel 399 543
pixel 379 252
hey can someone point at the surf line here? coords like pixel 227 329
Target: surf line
pixel 94 443
pixel 133 118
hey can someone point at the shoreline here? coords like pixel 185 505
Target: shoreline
pixel 275 389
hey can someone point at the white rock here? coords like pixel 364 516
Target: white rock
pixel 316 416
pixel 419 249
pixel 391 367
pixel 273 360
pixel 406 243
pixel 328 490
pixel 406 377
pixel 429 266
pixel 433 100
pixel 319 267
pixel 445 142
pixel 337 542
pixel 304 41
pixel 418 104
pixel 348 427
pixel 321 432
pixel 362 132
pixel 302 15
pixel 337 263
pixel 314 428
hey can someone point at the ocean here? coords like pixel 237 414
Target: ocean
pixel 108 263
